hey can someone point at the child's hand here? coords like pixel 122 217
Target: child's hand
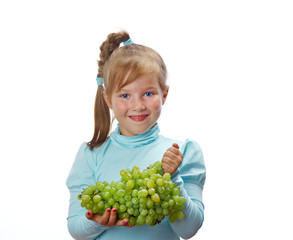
pixel 172 158
pixel 108 219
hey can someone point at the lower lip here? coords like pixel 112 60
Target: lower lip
pixel 140 118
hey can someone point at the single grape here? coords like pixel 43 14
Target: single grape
pixel 121 200
pixel 124 215
pixel 89 205
pixel 136 212
pixel 106 195
pixel 115 205
pixel 175 191
pixel 151 184
pixel 135 200
pixel 158 164
pixel 152 212
pixel 123 172
pixel 130 184
pixel 136 174
pixel 100 205
pixel 100 186
pixel 149 219
pixel 122 208
pixel 171 202
pixel 95 209
pixel 166 176
pixel 164 204
pixel 131 221
pixel 127 197
pixel 160 182
pixel 120 185
pixel 160 217
pixel 130 211
pixel 143 193
pixel 145 173
pixel 120 193
pixel 113 190
pixel 150 203
pixel 182 199
pixel 161 189
pixel 139 182
pixel 154 177
pixel 97 198
pixel 172 217
pixel 127 177
pixel 180 215
pixel 134 193
pixel 152 171
pixel 129 204
pixel 140 219
pixel 159 210
pixel 151 191
pixel 165 211
pixel 145 181
pixel 143 200
pixel 155 197
pixel 135 206
pixel 85 198
pixel 176 198
pixel 111 201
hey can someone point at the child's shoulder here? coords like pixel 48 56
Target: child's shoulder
pixel 188 143
pixel 85 148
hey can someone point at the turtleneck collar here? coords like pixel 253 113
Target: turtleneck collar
pixel 140 140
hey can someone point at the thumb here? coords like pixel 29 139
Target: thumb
pixel 175 145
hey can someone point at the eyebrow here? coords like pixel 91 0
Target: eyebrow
pixel 144 89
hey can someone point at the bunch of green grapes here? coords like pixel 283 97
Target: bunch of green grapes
pixel 141 196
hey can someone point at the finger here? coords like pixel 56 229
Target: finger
pixel 123 222
pixel 173 157
pixel 113 217
pixel 89 215
pixel 129 226
pixel 167 167
pixel 175 145
pixel 176 151
pixel 105 218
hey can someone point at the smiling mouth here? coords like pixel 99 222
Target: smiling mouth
pixel 138 118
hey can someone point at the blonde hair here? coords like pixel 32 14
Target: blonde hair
pixel 115 64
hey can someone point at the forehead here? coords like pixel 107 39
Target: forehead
pixel 148 80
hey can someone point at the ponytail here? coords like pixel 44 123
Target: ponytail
pixel 102 114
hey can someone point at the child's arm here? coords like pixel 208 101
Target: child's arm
pixel 80 176
pixel 190 177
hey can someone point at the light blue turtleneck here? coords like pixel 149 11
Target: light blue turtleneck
pixel 119 152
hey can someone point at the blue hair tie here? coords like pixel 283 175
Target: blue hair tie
pixel 99 81
pixel 128 42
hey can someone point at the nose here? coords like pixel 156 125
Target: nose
pixel 138 105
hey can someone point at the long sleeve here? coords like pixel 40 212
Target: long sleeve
pixel 80 176
pixel 190 178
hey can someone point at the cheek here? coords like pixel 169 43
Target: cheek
pixel 156 104
pixel 121 108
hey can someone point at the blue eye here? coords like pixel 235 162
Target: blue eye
pixel 125 96
pixel 148 94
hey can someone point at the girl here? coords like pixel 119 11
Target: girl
pixel 132 83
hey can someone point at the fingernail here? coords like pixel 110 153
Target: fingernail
pixel 114 210
pixel 88 213
pixel 108 210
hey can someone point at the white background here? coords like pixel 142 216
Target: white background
pixel 230 73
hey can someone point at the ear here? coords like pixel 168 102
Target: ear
pixel 107 100
pixel 165 94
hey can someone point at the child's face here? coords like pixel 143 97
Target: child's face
pixel 137 106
